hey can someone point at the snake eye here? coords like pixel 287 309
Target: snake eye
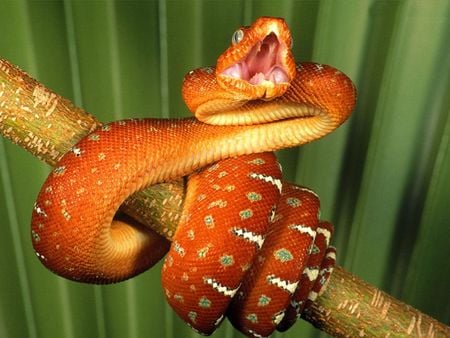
pixel 237 36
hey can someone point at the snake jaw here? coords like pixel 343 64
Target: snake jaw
pixel 256 81
pixel 261 63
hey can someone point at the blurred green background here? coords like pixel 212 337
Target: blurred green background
pixel 383 178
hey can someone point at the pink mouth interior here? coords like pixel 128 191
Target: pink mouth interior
pixel 262 63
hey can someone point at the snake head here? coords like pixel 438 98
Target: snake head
pixel 259 61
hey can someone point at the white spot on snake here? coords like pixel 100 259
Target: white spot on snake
pixel 256 335
pixel 179 249
pixel 209 221
pixel 219 320
pixel 293 202
pixel 204 302
pixel 226 260
pixel 66 214
pixel 192 316
pixel 296 304
pixel 209 70
pixel 222 174
pixel 245 214
pixel 278 317
pixel 312 296
pixel 178 298
pixel 41 256
pixel 280 167
pixel 80 191
pixel 326 233
pixel 94 137
pixel 40 211
pixel 152 129
pixel 269 179
pixel 314 249
pixel 311 273
pixel 304 229
pixel 218 203
pixel 254 196
pixel 213 167
pixel 283 255
pixel 76 151
pixel 264 300
pixel 307 190
pixel 58 171
pixel 35 236
pixel 331 254
pixel 224 290
pixel 257 161
pixel 252 317
pixel 282 284
pixel 202 252
pixel 229 188
pixel 272 214
pixel 319 67
pixel 249 236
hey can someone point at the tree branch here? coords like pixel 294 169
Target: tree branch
pixel 48 125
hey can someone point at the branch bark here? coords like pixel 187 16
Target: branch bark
pixel 48 125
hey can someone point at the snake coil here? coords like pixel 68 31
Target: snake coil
pixel 248 246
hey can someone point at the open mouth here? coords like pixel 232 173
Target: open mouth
pixel 262 64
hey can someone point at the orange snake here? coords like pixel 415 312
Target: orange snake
pixel 256 100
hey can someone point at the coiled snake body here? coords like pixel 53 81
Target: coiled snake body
pixel 255 101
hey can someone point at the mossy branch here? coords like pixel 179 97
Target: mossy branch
pixel 48 125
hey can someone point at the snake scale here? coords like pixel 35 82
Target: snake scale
pixel 248 246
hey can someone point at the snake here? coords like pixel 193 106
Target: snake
pixel 249 246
